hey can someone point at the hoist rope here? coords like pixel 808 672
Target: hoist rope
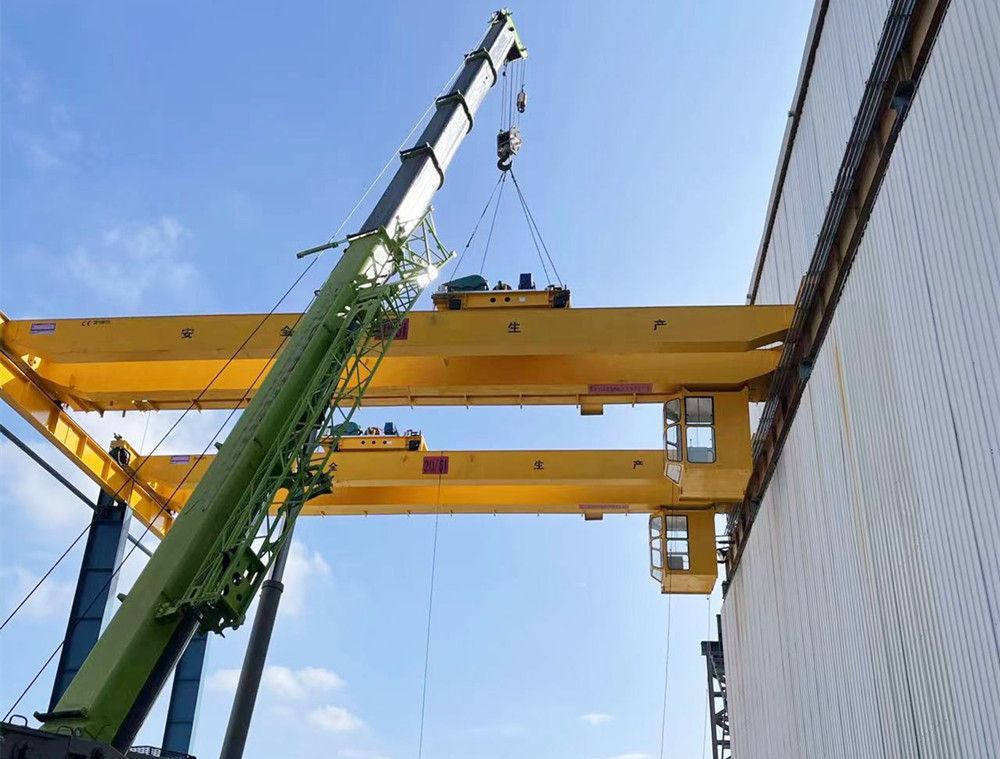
pixel 458 263
pixel 45 576
pixel 711 705
pixel 522 64
pixel 120 564
pixel 503 97
pixel 430 611
pixel 132 476
pixel 666 666
pixel 395 155
pixel 534 241
pixel 534 224
pixel 489 237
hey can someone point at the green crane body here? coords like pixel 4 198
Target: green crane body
pixel 206 570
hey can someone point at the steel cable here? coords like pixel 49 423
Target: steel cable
pixel 489 237
pixel 430 610
pixel 534 241
pixel 475 229
pixel 117 568
pixel 666 666
pixel 531 216
pixel 708 636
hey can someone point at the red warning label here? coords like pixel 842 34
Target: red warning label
pixel 620 387
pixel 435 465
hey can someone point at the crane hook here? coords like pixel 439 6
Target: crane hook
pixel 508 143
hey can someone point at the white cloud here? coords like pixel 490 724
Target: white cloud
pixel 317 678
pixel 596 718
pixel 131 261
pixel 37 123
pixel 631 755
pixel 304 568
pixel 503 730
pixel 224 680
pixel 49 507
pixel 282 682
pixel 52 599
pixel 334 719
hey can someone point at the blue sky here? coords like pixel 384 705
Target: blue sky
pixel 171 157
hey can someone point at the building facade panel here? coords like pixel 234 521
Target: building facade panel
pixel 864 620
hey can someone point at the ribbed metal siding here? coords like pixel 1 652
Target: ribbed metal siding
pixel 865 616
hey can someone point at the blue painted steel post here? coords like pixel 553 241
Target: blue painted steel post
pixel 184 696
pixel 96 583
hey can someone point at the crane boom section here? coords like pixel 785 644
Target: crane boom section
pixel 206 569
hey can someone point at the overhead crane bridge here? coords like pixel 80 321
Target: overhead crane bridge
pixel 360 344
pixel 108 364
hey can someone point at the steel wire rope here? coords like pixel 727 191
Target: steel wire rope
pixel 711 706
pixel 475 229
pixel 522 65
pixel 45 576
pixel 666 665
pixel 136 541
pixel 148 527
pixel 430 611
pixel 133 475
pixel 489 237
pixel 531 216
pixel 534 241
pixel 402 144
pixel 503 95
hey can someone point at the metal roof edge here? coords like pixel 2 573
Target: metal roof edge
pixel 788 141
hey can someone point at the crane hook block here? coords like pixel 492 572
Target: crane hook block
pixel 508 143
pixel 522 100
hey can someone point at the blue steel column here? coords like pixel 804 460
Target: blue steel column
pixel 184 696
pixel 96 583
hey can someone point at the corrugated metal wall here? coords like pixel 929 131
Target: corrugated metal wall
pixel 864 620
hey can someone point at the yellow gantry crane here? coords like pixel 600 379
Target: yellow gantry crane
pixel 703 363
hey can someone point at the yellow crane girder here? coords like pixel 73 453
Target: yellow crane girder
pixel 586 357
pixel 587 482
pixel 388 480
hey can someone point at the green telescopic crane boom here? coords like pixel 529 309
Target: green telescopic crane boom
pixel 209 566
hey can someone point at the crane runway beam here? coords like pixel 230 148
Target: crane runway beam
pixel 586 357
